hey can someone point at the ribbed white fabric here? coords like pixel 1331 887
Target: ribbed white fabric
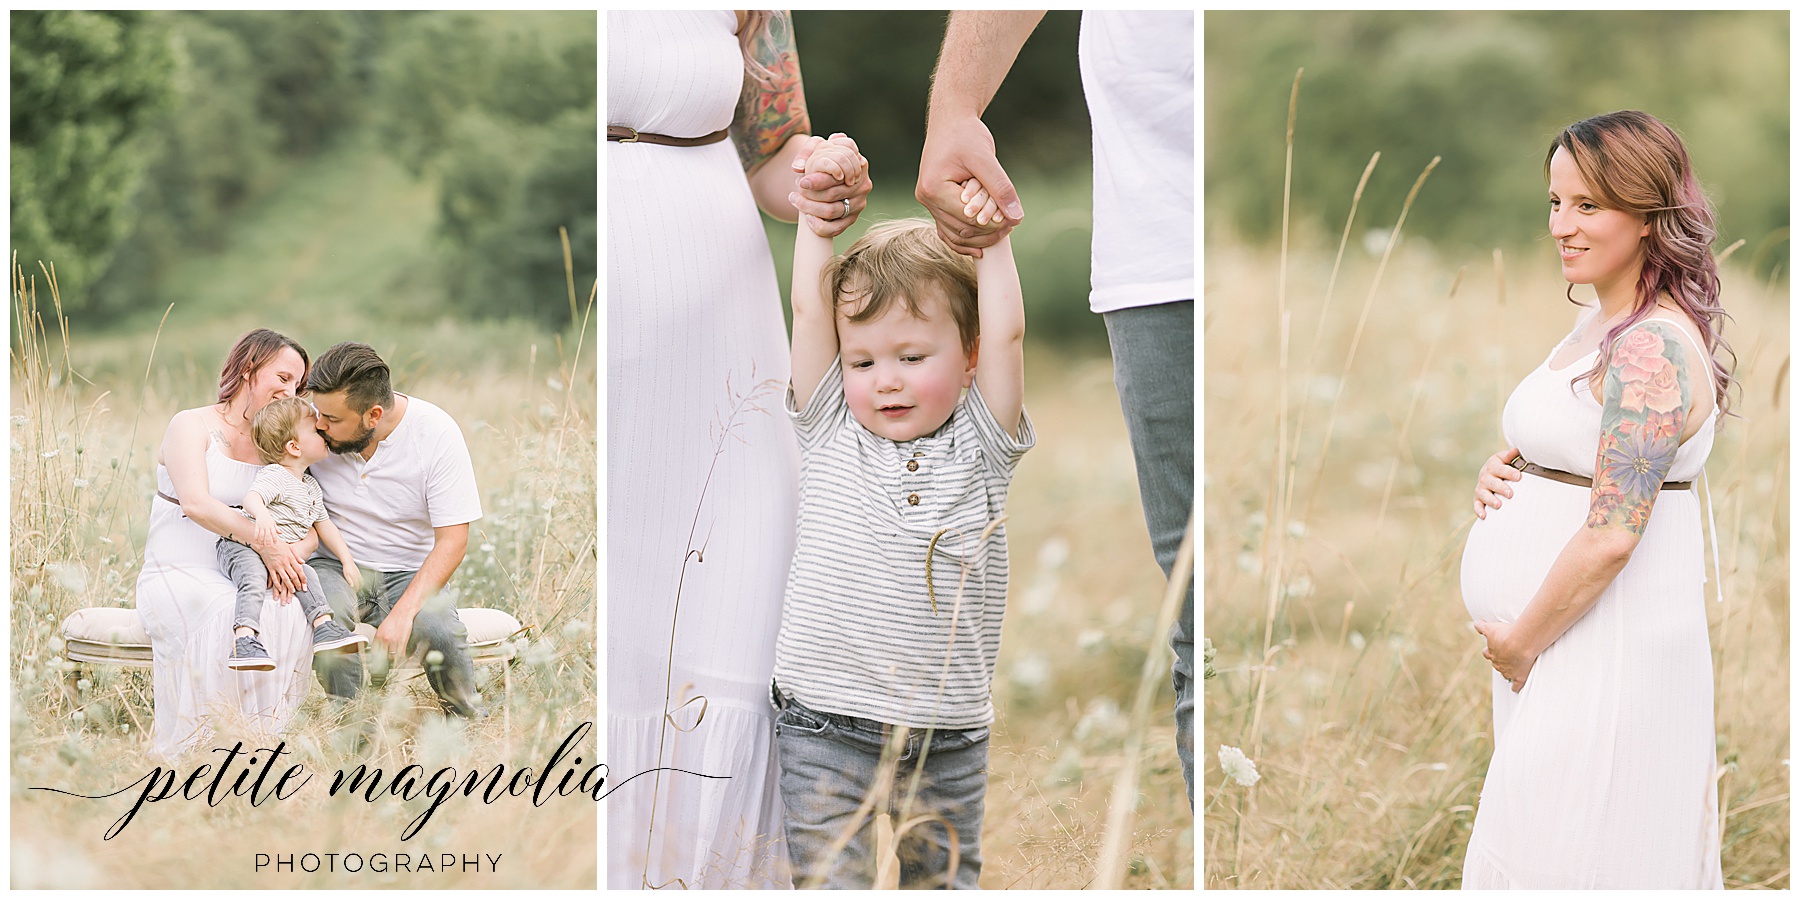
pixel 186 605
pixel 863 635
pixel 1602 775
pixel 700 457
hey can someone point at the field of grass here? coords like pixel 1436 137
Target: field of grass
pixel 1080 618
pixel 1346 666
pixel 341 252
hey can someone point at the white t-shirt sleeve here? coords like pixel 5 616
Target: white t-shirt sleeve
pixel 451 496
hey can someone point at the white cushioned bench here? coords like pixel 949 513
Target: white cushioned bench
pixel 115 636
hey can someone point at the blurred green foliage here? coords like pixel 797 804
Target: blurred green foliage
pixel 496 111
pixel 868 74
pixel 501 109
pixel 1487 91
pixel 86 89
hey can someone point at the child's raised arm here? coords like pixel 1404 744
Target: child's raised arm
pixel 815 342
pixel 1000 362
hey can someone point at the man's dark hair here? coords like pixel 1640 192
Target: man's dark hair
pixel 356 370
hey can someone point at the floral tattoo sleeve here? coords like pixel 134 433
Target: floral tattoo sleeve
pixel 1645 399
pixel 772 107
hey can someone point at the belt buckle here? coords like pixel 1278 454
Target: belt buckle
pixel 634 136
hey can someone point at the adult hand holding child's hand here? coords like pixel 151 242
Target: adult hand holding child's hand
pixel 833 184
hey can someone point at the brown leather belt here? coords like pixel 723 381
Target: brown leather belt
pixel 626 135
pixel 1573 479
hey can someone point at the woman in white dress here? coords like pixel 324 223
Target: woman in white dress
pixel 204 467
pixel 701 464
pixel 1585 577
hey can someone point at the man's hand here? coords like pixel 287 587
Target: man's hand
pixel 959 148
pixel 394 632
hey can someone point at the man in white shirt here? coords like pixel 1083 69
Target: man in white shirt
pixel 1137 71
pixel 401 489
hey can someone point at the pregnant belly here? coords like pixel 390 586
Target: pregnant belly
pixel 1509 553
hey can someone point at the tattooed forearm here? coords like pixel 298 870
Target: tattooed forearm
pixel 772 107
pixel 1646 395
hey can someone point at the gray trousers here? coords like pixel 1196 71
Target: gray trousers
pixel 1153 368
pixel 245 568
pixel 435 628
pixel 829 765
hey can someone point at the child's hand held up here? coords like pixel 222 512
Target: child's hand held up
pixel 978 205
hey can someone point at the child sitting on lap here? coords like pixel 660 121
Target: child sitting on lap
pixel 286 502
pixel 891 623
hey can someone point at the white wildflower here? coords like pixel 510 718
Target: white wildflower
pixel 50 454
pixel 1031 670
pixel 556 385
pixel 1238 766
pixel 1356 640
pixel 80 483
pixel 70 576
pixel 1296 529
pixel 487 547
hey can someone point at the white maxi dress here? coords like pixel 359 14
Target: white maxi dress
pixel 702 472
pixel 1602 775
pixel 186 604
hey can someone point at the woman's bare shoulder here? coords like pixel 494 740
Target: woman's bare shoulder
pixel 193 428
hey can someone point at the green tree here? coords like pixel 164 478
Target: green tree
pixel 501 111
pixel 86 86
pixel 1486 91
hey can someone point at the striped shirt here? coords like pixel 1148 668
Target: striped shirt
pixel 297 504
pixel 865 631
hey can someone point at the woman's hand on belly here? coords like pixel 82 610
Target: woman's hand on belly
pixel 1491 484
pixel 1507 652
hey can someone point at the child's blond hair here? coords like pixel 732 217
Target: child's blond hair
pixel 274 427
pixel 896 261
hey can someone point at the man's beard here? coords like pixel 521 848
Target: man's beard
pixel 355 445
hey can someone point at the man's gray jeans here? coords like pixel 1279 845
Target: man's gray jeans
pixel 436 628
pixel 1153 368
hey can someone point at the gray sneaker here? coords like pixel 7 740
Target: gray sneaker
pixel 332 635
pixel 248 654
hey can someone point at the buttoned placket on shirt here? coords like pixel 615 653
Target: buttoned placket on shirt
pixel 914 467
pixel 362 465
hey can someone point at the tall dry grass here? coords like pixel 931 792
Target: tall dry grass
pixel 83 457
pixel 1346 667
pixel 1083 612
